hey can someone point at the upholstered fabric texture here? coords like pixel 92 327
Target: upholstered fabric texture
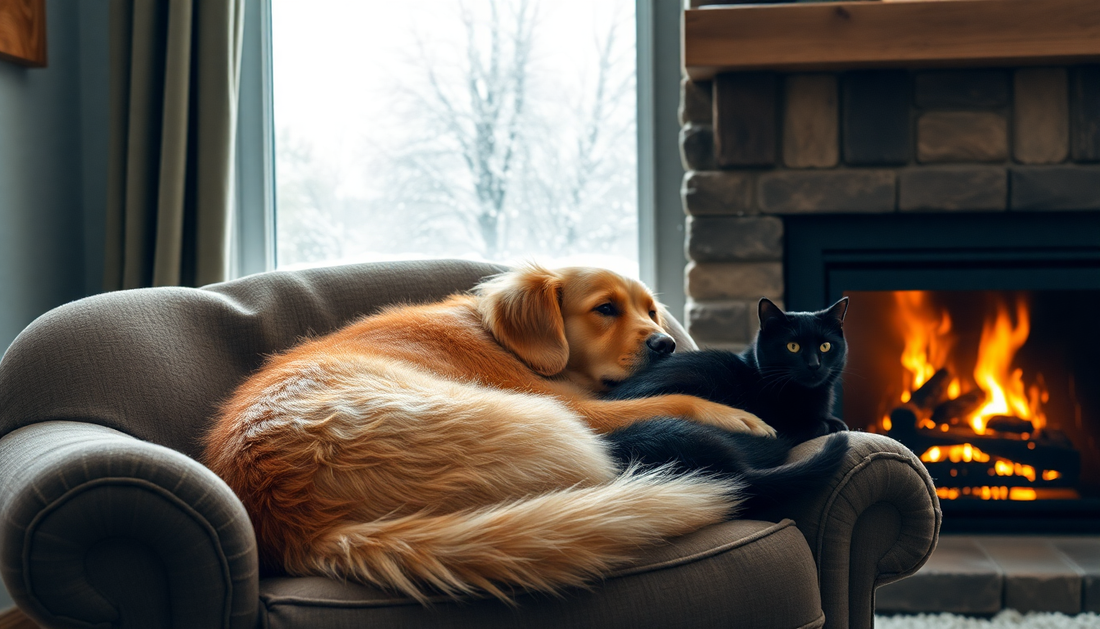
pixel 738 574
pixel 155 363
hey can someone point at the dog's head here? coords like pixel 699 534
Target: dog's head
pixel 592 325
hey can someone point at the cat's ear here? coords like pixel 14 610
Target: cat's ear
pixel 837 311
pixel 769 312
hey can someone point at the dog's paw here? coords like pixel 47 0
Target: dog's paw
pixel 734 419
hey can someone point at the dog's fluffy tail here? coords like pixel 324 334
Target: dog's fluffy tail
pixel 541 543
pixel 800 475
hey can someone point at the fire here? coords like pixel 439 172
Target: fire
pixel 1004 386
pixel 955 454
pixel 929 341
pixel 1008 468
pixel 990 493
pixel 964 408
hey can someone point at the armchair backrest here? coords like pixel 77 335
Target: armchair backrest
pixel 156 362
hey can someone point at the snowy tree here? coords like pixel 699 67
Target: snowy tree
pixel 485 146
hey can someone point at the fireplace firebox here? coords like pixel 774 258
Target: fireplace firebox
pixel 973 340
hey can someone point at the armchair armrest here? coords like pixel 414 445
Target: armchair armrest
pixel 102 529
pixel 876 521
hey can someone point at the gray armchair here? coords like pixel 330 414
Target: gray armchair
pixel 108 520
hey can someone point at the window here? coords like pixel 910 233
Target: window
pixel 501 130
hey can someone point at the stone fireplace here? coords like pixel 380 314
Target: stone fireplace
pixel 939 164
pixel 952 183
pixel 761 148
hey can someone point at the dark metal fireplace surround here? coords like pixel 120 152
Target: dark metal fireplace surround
pixel 1052 255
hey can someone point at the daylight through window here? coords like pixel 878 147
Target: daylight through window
pixel 500 130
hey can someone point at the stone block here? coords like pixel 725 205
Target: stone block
pixel 695 102
pixel 1055 188
pixel 734 280
pixel 728 239
pixel 1040 124
pixel 745 119
pixel 962 136
pixel 1084 552
pixel 845 190
pixel 1037 577
pixel 875 117
pixel 1084 83
pixel 961 89
pixel 950 188
pixel 959 578
pixel 719 321
pixel 717 193
pixel 811 121
pixel 697 147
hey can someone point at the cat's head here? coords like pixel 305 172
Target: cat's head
pixel 806 347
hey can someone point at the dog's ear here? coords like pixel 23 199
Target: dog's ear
pixel 522 310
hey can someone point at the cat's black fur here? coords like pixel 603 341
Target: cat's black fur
pixel 790 390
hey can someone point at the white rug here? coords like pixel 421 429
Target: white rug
pixel 1007 619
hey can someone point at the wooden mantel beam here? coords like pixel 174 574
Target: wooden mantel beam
pixel 911 33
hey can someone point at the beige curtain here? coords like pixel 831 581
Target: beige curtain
pixel 175 67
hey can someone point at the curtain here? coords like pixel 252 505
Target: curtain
pixel 175 75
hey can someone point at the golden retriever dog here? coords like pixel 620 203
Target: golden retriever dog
pixel 454 447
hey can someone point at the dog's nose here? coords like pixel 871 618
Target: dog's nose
pixel 661 343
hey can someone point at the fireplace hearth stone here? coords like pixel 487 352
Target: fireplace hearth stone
pixel 973 574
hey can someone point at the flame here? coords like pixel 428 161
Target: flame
pixel 954 389
pixel 1022 493
pixel 955 454
pixel 1009 468
pixel 1004 386
pixel 927 340
pixel 1007 493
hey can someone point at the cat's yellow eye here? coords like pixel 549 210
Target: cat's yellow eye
pixel 793 347
pixel 826 346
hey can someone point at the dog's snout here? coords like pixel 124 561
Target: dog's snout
pixel 661 343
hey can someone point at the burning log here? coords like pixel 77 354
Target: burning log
pixel 959 407
pixel 1044 454
pixel 1005 423
pixel 932 393
pixel 903 423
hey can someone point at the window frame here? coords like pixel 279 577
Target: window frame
pixel 660 217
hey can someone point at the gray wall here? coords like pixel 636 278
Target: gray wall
pixel 53 155
pixel 53 169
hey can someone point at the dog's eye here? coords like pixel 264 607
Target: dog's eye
pixel 608 309
pixel 653 314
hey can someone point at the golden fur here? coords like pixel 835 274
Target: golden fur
pixel 454 445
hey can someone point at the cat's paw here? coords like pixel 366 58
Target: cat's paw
pixel 734 419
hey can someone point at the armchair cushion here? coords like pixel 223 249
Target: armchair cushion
pixel 744 573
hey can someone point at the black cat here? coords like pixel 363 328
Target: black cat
pixel 785 377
